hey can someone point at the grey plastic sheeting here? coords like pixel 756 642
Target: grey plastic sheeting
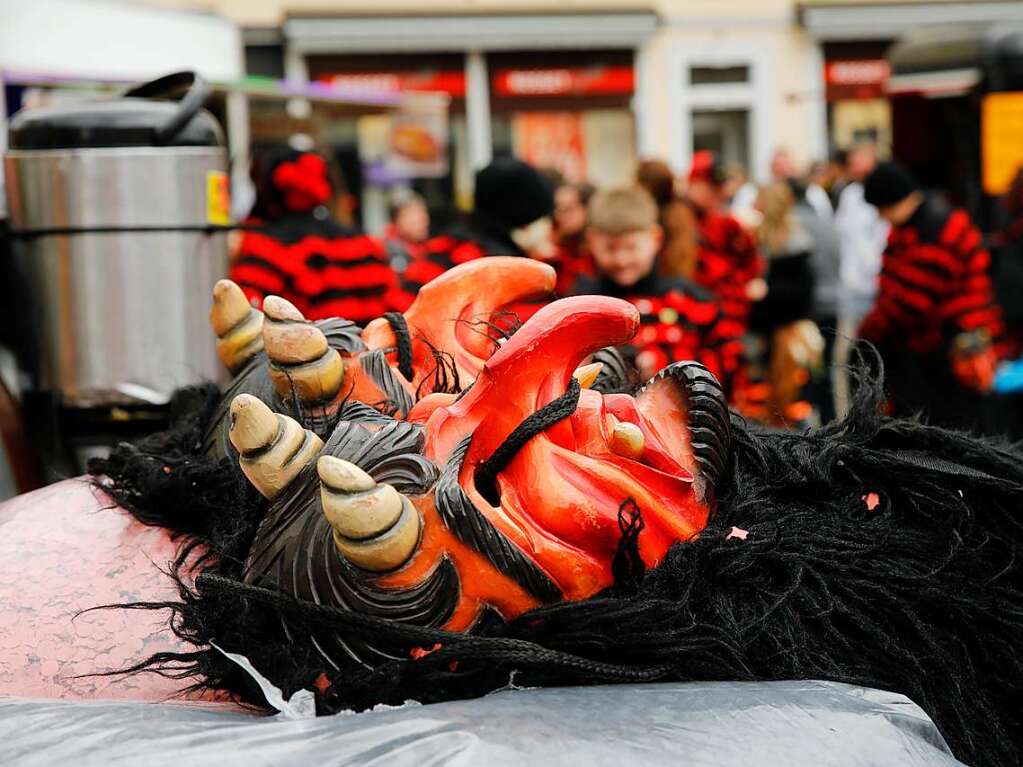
pixel 750 724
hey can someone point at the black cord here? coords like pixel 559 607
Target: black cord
pixel 455 645
pixel 399 325
pixel 550 414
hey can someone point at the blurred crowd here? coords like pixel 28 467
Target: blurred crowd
pixel 769 285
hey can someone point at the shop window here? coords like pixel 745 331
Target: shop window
pixel 718 75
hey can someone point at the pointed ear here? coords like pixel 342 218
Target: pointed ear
pixel 469 292
pixel 239 326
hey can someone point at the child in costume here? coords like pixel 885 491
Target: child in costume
pixel 678 319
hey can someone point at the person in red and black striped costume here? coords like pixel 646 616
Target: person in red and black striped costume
pixel 934 320
pixel 303 254
pixel 511 217
pixel 728 263
pixel 678 319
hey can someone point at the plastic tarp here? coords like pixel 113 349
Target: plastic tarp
pixel 790 724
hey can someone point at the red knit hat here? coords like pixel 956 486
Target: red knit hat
pixel 705 168
pixel 301 181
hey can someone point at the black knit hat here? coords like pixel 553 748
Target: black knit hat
pixel 888 184
pixel 512 193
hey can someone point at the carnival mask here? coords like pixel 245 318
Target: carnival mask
pixel 504 497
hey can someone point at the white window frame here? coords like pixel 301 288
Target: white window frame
pixel 755 96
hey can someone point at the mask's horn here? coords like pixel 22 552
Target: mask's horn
pixel 302 364
pixel 239 326
pixel 375 527
pixel 272 447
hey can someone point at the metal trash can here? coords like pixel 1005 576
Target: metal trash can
pixel 114 207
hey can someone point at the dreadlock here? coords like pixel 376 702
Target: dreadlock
pixel 873 551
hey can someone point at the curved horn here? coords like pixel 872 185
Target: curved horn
pixel 302 364
pixel 375 527
pixel 272 447
pixel 239 326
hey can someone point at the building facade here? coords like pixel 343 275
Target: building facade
pixel 593 85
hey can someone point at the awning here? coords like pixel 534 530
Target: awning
pixel 947 61
pixel 392 34
pixel 828 20
pixel 952 82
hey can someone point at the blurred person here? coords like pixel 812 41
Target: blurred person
pixel 573 258
pixel 512 207
pixel 678 319
pixel 736 178
pixel 824 263
pixel 727 261
pixel 833 179
pixel 934 320
pixel 301 252
pixel 677 257
pixel 783 168
pixel 407 231
pixel 743 203
pixel 787 347
pixel 863 235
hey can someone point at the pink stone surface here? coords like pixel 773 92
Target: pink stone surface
pixel 63 549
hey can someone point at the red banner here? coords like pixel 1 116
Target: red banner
pixel 855 78
pixel 565 82
pixel 451 82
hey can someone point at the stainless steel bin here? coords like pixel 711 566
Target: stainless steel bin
pixel 113 210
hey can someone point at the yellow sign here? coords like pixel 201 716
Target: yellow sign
pixel 1001 140
pixel 218 198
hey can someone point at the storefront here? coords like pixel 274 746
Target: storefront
pixel 855 38
pixel 855 76
pixel 557 90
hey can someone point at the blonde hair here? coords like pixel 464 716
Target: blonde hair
pixel 622 210
pixel 775 202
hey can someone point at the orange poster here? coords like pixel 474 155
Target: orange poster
pixel 551 140
pixel 1001 140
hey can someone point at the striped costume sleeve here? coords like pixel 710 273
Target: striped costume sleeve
pixel 971 306
pixel 437 256
pixel 262 267
pixel 711 338
pixel 346 277
pixel 914 277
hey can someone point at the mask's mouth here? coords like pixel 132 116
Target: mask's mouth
pixel 677 420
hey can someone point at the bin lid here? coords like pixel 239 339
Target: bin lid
pixel 127 122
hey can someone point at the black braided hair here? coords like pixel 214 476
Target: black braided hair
pixel 399 326
pixel 874 551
